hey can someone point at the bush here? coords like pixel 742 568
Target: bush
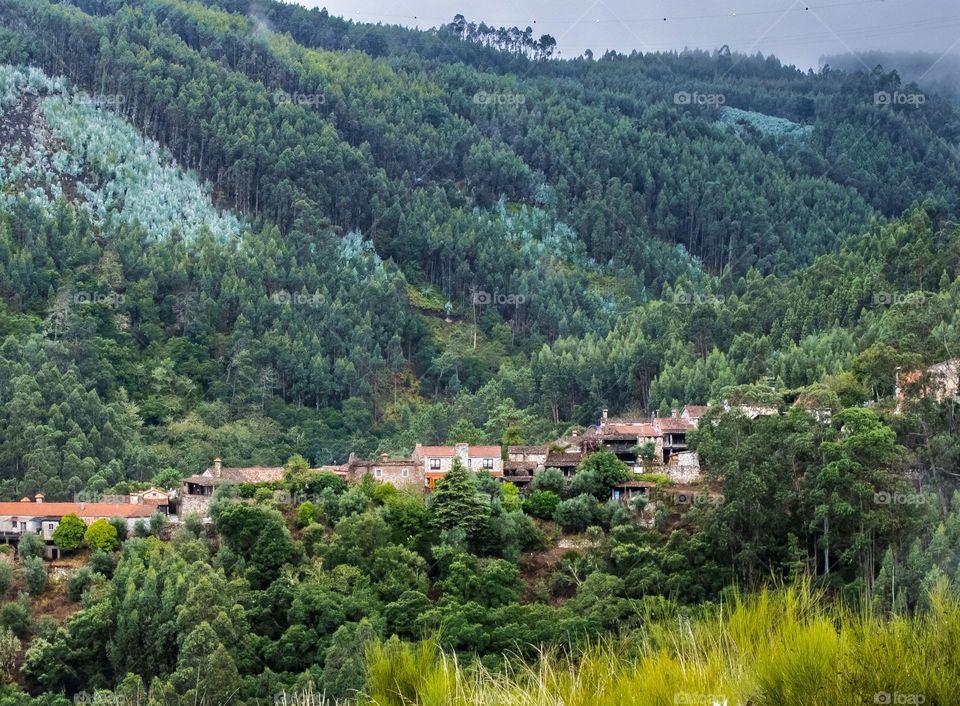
pixel 35 575
pixel 542 504
pixel 6 577
pixel 102 535
pixel 30 545
pixel 68 536
pixel 578 513
pixel 78 584
pixel 548 479
pixel 306 513
pixel 157 522
pixel 16 617
pixel 101 562
pixel 121 525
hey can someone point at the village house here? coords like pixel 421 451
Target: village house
pixel 42 518
pixel 436 461
pixel 523 463
pixel 198 490
pixel 653 445
pixel 405 472
pixel 158 498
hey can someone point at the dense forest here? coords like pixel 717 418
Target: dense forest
pixel 247 229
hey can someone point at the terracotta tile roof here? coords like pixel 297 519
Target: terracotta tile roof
pixel 451 451
pixel 45 509
pixel 526 449
pixel 561 460
pixel 629 429
pixel 674 424
pixel 520 465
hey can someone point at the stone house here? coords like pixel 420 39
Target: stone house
pixel 198 490
pixel 436 461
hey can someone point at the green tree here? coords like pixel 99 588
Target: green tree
pixel 542 504
pixel 102 535
pixel 68 536
pixel 456 503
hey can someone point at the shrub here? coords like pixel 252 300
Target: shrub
pixel 157 522
pixel 101 562
pixel 542 504
pixel 548 479
pixel 35 575
pixel 102 535
pixel 30 545
pixel 16 617
pixel 78 584
pixel 68 536
pixel 121 525
pixel 578 513
pixel 6 577
pixel 306 513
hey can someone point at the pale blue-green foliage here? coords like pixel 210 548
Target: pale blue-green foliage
pixel 138 182
pixel 121 177
pixel 765 124
pixel 14 80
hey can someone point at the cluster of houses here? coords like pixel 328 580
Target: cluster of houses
pixel 647 445
pixel 39 517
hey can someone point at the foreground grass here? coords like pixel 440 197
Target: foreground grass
pixel 777 647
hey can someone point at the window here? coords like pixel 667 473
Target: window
pixel 488 463
pixel 434 464
pixel 50 526
pixel 378 473
pixel 15 524
pixel 405 472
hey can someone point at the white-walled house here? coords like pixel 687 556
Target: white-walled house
pixel 42 518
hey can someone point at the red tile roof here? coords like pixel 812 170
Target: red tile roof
pixel 45 509
pixel 631 429
pixel 451 451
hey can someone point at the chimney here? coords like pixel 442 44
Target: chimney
pixel 38 497
pixel 675 413
pixel 462 451
pixel 217 467
pixel 384 457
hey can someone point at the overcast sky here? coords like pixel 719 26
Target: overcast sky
pixel 798 32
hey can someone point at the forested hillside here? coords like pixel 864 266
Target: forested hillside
pixel 364 186
pixel 245 229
